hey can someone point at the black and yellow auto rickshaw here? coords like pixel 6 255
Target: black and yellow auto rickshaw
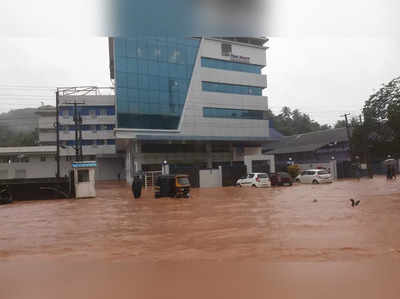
pixel 172 186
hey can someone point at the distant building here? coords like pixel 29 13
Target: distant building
pixel 98 125
pixel 314 147
pixel 28 162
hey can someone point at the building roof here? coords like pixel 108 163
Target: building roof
pixel 27 150
pixel 307 142
pixel 275 133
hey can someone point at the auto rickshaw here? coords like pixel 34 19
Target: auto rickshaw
pixel 172 186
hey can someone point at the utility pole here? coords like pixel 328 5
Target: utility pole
pixel 76 121
pixel 58 133
pixel 78 131
pixel 348 134
pixel 80 137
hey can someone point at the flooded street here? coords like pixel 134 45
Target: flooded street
pixel 265 239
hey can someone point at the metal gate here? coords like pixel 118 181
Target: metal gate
pixel 230 174
pixel 150 178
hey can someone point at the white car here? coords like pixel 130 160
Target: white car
pixel 259 180
pixel 314 176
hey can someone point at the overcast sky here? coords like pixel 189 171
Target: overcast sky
pixel 324 75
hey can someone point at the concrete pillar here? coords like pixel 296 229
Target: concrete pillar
pixel 137 157
pixel 128 166
pixel 209 155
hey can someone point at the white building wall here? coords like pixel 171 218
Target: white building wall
pixel 213 50
pixel 194 124
pixel 211 178
pixel 35 168
pixel 110 169
pixel 90 150
pixel 107 169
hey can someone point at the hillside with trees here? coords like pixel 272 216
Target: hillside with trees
pixel 19 128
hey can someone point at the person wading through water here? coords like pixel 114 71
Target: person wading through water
pixel 137 186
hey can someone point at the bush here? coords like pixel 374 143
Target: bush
pixel 294 170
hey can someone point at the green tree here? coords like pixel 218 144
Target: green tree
pixel 380 130
pixel 340 124
pixel 9 138
pixel 291 122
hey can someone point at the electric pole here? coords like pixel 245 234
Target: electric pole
pixel 80 137
pixel 76 121
pixel 348 134
pixel 58 133
pixel 78 131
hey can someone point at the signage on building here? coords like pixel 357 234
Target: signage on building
pixel 241 59
pixel 226 51
pixel 89 164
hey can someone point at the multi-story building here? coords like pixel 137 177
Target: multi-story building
pixel 196 101
pixel 98 124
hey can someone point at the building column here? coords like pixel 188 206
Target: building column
pixel 138 157
pixel 128 165
pixel 209 155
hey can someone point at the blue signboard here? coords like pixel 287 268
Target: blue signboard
pixel 84 164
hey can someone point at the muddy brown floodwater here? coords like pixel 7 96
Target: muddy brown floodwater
pixel 304 241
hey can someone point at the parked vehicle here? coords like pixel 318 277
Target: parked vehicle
pixel 314 176
pixel 5 196
pixel 281 179
pixel 259 180
pixel 172 186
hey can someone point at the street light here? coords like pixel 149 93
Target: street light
pixel 165 168
pixel 290 161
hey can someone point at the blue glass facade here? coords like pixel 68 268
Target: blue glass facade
pixel 152 80
pixel 234 113
pixel 231 66
pixel 231 88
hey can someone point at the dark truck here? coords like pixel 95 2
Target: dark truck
pixel 29 189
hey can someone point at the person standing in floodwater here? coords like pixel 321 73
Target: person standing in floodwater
pixel 137 186
pixel 389 172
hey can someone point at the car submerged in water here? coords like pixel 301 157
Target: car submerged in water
pixel 258 180
pixel 315 176
pixel 281 179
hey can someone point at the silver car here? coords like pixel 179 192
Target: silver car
pixel 314 176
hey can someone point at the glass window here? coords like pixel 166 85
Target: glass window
pixel 83 176
pixel 231 66
pixel 231 88
pixel 131 48
pixel 234 113
pixel 149 65
pixel 122 79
